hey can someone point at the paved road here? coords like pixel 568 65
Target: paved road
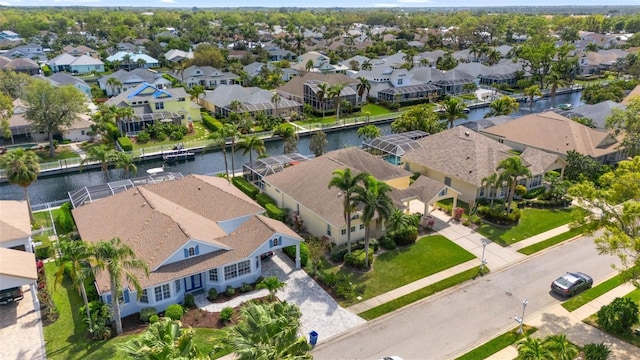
pixel 446 323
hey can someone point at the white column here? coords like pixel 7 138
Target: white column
pixel 298 256
pixel 34 295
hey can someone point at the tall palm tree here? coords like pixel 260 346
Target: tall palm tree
pixel 75 262
pixel 196 92
pixel 220 136
pixel 120 262
pixel 363 86
pixel 453 110
pixel 347 182
pixel 126 162
pixel 114 83
pixel 531 92
pixel 376 204
pixel 334 93
pixel 322 94
pixel 249 144
pixel 163 340
pixel 275 100
pixel 366 65
pixel 102 154
pixel 125 113
pixel 505 105
pixel 555 80
pixel 491 181
pixel 369 132
pixel 289 136
pixel 561 348
pixel 494 57
pixel 273 284
pixel 533 349
pixel 268 331
pixel 308 66
pixel 511 169
pixel 22 169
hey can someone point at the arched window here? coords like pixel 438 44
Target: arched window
pixel 192 251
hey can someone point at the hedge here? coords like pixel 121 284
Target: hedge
pixel 125 143
pixel 264 199
pixel 275 212
pixel 304 253
pixel 211 123
pixel 534 193
pixel 406 237
pixel 246 187
pixel 174 312
pixel 64 219
pixel 356 258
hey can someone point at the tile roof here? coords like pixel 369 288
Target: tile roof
pixel 459 153
pixel 424 188
pixel 17 263
pixel 295 85
pixel 14 220
pixel 555 133
pixel 633 94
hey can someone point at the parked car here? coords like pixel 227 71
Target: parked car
pixel 571 283
pixel 10 295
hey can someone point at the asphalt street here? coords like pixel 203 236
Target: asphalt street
pixel 446 323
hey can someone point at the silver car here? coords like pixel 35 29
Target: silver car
pixel 571 283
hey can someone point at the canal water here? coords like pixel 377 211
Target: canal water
pixel 54 188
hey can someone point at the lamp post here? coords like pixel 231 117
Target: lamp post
pixel 520 320
pixel 484 261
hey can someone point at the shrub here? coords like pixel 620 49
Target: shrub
pixel 112 130
pixel 406 236
pixel 534 193
pixel 275 212
pixel 356 258
pixel 245 186
pixel 176 135
pixel 146 313
pixel 264 199
pixel 125 143
pixel 64 220
pixel 340 283
pixel 143 137
pixel 338 253
pixel 245 287
pixel 189 301
pixel 596 351
pixel 304 253
pixel 43 252
pixel 497 216
pixel 230 291
pixel 619 316
pixel 226 314
pixel 210 123
pixel 387 243
pixel 212 294
pixel 174 312
pixel 154 319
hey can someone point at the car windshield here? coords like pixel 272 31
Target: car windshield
pixel 563 281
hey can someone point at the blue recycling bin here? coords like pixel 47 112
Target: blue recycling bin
pixel 313 338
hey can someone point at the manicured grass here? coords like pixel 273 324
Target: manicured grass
pixel 534 248
pixel 198 134
pixel 61 153
pixel 392 269
pixel 532 222
pixel 374 109
pixel 427 291
pixel 628 336
pixel 596 291
pixel 494 345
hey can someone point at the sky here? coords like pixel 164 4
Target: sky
pixel 316 3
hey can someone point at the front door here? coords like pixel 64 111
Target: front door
pixel 193 282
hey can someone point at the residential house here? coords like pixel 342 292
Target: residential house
pixel 256 68
pixel 9 35
pixel 602 41
pixel 61 79
pixel 450 82
pixel 594 63
pixel 502 73
pixel 80 50
pixel 597 113
pixel 83 64
pixel 130 79
pixel 303 189
pixel 303 89
pixel 461 158
pixel 152 104
pixel 319 63
pixel 17 261
pixel 206 76
pixel 193 244
pixel 278 54
pixel 253 99
pixel 633 94
pixel 21 65
pixel 30 51
pixel 396 84
pixel 129 60
pixel 557 134
pixel 175 55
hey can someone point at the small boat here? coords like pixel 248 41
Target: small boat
pixel 155 171
pixel 565 106
pixel 178 155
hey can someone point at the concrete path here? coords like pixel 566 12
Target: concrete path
pixel 540 237
pixel 21 334
pixel 76 149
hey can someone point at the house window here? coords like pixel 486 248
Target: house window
pixel 447 181
pixel 178 286
pixel 159 106
pixel 503 191
pixel 144 297
pixel 343 231
pixel 230 271
pixel 213 275
pixel 162 292
pixel 353 228
pixel 481 192
pixel 536 181
pixel 276 242
pixel 81 132
pixel 399 81
pixel 328 230
pixel 361 226
pixel 192 251
pixel 244 267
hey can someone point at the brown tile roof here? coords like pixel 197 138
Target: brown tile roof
pixel 539 161
pixel 14 220
pixel 555 133
pixel 633 94
pixel 308 181
pixel 295 85
pixel 459 153
pixel 424 189
pixel 16 263
pixel 159 219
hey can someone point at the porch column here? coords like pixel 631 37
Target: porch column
pixel 34 296
pixel 298 256
pixel 455 203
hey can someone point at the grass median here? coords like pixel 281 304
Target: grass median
pixel 496 344
pixel 534 248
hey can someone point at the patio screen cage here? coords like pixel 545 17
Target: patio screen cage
pixel 255 170
pixel 393 147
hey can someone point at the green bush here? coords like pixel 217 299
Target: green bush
pixel 264 199
pixel 43 252
pixel 125 143
pixel 619 316
pixel 230 291
pixel 275 212
pixel 406 236
pixel 245 186
pixel 176 136
pixel 154 319
pixel 189 301
pixel 143 137
pixel 174 312
pixel 64 220
pixel 146 313
pixel 373 244
pixel 210 123
pixel 112 130
pixel 534 193
pixel 498 216
pixel 304 253
pixel 245 287
pixel 212 294
pixel 226 315
pixel 357 258
pixel 338 252
pixel 387 243
pixel 596 351
pixel 340 283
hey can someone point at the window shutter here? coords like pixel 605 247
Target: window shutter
pixel 126 296
pixel 270 243
pixel 197 249
pixel 108 299
pixel 186 253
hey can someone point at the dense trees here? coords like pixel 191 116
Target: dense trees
pixel 627 122
pixel 418 117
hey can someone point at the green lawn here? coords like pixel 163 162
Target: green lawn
pixel 61 153
pixel 67 337
pixel 392 269
pixel 198 134
pixel 534 248
pixel 532 222
pixel 494 345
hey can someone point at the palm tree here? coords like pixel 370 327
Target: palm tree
pixel 511 169
pixel 453 110
pixel 163 340
pixel 289 136
pixel 275 100
pixel 273 284
pixel 114 83
pixel 220 136
pixel 369 132
pixel 126 162
pixel 561 348
pixel 22 169
pixel 503 106
pixel 375 203
pixel 494 57
pixel 334 93
pixel 346 182
pixel 268 331
pixel 120 262
pixel 363 86
pixel 492 181
pixel 75 262
pixel 309 65
pixel 533 349
pixel 425 62
pixel 322 94
pixel 249 144
pixel 555 81
pixel 531 92
pixel 102 154
pixel 397 221
pixel 366 65
pixel 195 93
